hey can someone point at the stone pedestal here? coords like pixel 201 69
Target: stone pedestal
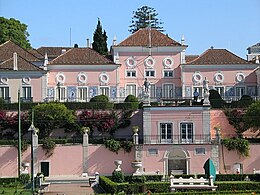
pixel 147 100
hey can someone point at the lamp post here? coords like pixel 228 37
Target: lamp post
pixel 19 134
pixel 33 131
pixel 58 86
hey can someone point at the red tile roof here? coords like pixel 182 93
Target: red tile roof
pixel 189 58
pixel 22 65
pixel 81 56
pixel 52 52
pixel 8 48
pixel 218 57
pixel 141 38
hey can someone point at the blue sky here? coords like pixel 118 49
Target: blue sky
pixel 230 24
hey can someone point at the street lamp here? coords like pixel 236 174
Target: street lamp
pixel 58 86
pixel 33 131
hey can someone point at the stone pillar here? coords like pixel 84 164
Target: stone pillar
pixel 85 150
pixel 35 152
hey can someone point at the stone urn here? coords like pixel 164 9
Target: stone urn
pixel 137 166
pixel 118 163
pixel 25 166
pixel 135 129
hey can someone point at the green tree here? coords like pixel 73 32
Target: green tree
pixel 251 118
pixel 100 40
pixel 12 29
pixel 50 116
pixel 144 17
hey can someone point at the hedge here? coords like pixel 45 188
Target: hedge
pixel 237 185
pixel 237 177
pixel 8 180
pixel 127 106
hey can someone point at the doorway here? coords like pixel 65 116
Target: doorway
pixel 45 168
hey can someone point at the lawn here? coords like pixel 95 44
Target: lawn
pixel 14 190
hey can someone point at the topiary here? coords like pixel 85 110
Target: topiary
pixel 99 98
pixel 118 176
pixel 245 101
pixel 131 98
pixel 215 99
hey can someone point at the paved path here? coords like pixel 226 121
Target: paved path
pixel 70 189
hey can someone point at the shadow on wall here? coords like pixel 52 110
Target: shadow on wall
pixel 8 161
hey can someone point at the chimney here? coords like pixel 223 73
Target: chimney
pixel 87 42
pixel 15 61
pixel 114 40
pixel 46 61
pixel 63 51
pixel 182 40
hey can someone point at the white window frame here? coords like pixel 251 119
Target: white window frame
pixel 63 93
pixel 131 72
pixel 168 127
pixel 187 139
pixel 239 94
pixel 153 154
pixel 199 89
pixel 218 87
pixel 3 89
pixel 164 71
pixel 152 89
pixel 166 93
pixel 149 71
pixel 80 94
pixel 25 95
pixel 106 88
pixel 129 92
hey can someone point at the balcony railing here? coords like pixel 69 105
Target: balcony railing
pixel 176 139
pixel 26 99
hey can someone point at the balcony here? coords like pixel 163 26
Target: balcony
pixel 26 99
pixel 176 139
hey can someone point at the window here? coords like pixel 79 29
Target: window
pixel 26 94
pixel 168 91
pixel 200 151
pixel 186 132
pixel 131 73
pixel 150 73
pixel 61 93
pixel 220 90
pixel 168 74
pixel 199 90
pixel 153 151
pixel 82 93
pixel 4 93
pixel 166 132
pixel 130 90
pixel 104 91
pixel 240 91
pixel 152 91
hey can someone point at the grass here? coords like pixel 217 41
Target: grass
pixel 14 190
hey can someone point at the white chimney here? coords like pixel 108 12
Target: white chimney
pixel 88 42
pixel 15 61
pixel 114 40
pixel 182 40
pixel 45 61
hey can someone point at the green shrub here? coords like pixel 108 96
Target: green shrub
pixel 239 144
pixel 110 186
pixel 118 176
pixel 24 178
pixel 99 98
pixel 237 177
pixel 127 106
pixel 215 99
pixel 99 105
pixel 245 101
pixel 8 180
pixel 48 145
pixel 131 98
pixel 136 179
pixel 243 185
pixel 158 187
pixel 112 145
pixel 127 145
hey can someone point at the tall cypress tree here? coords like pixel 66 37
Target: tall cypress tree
pixel 100 40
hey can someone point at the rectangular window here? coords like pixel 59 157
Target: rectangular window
pixel 220 90
pixel 199 90
pixel 166 132
pixel 150 73
pixel 131 73
pixel 82 93
pixel 200 151
pixel 104 91
pixel 168 73
pixel 167 91
pixel 152 91
pixel 186 132
pixel 130 90
pixel 153 152
pixel 61 93
pixel 4 93
pixel 26 95
pixel 240 91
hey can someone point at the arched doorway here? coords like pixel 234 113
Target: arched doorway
pixel 177 161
